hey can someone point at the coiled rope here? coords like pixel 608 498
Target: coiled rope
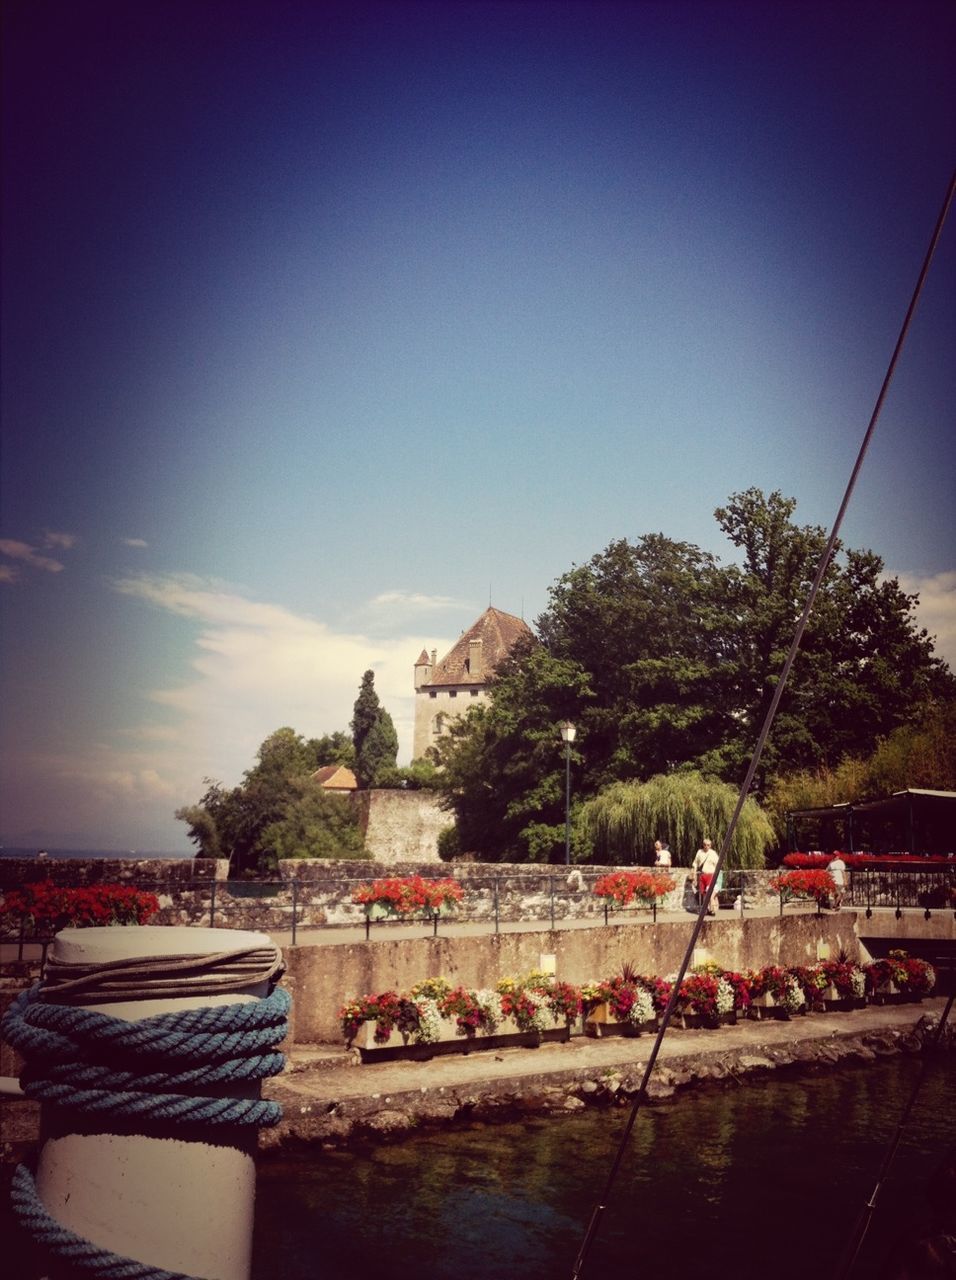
pixel 155 1071
pixel 158 977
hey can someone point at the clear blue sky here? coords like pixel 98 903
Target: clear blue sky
pixel 323 325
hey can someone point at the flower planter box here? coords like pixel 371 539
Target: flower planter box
pixel 766 1009
pixel 888 993
pixel 506 1035
pixel 694 1021
pixel 834 1002
pixel 601 1022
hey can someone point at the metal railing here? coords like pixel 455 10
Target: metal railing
pixel 495 901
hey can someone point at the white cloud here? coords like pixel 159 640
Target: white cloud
pixel 62 540
pixel 936 610
pixel 257 666
pixel 29 555
pixel 409 600
pixel 134 542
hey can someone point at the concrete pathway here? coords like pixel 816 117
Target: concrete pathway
pixel 324 1078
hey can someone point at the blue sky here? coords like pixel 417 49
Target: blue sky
pixel 323 325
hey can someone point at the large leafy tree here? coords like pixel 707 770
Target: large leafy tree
pixel 503 765
pixel 625 819
pixel 233 822
pixel 864 667
pixel 667 659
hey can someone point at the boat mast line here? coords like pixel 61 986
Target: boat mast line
pixel 862 1224
pixel 601 1205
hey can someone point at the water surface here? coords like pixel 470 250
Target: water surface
pixel 751 1182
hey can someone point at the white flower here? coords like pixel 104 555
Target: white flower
pixel 725 996
pixel 794 998
pixel 490 1002
pixel 429 1021
pixel 642 1010
pixel 858 981
pixel 930 975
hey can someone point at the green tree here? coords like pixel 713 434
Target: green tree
pixel 373 735
pixel 314 824
pixel 378 752
pixel 365 711
pixel 232 823
pixel 864 667
pixel 665 659
pixel 921 755
pixel 502 766
pixel 626 818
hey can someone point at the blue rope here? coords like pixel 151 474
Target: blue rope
pixel 149 1071
pixel 85 1061
pixel 81 1254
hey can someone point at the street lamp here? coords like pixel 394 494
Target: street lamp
pixel 568 732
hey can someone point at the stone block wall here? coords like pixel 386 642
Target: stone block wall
pixel 327 976
pixel 401 826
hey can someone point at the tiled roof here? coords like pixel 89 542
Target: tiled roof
pixel 335 777
pixel 498 633
pixel 423 659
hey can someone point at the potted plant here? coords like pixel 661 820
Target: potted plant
pixel 706 999
pixel 407 896
pixel 624 1005
pixel 816 885
pixel 846 984
pixel 623 888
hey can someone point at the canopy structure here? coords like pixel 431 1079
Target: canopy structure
pixel 914 820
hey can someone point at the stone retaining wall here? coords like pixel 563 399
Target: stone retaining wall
pixel 326 976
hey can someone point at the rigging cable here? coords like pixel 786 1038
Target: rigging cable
pixel 862 1224
pixel 599 1208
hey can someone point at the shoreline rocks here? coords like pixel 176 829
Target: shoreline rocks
pixel 330 1107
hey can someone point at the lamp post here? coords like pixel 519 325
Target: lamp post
pixel 568 732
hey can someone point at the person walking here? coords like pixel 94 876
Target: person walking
pixel 837 869
pixel 704 866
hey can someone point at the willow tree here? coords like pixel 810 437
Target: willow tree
pixel 624 820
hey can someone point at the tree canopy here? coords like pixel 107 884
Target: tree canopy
pixel 625 819
pixel 667 659
pixel 275 806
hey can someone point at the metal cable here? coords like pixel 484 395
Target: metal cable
pixel 599 1208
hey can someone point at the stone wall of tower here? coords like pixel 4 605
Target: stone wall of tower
pixel 434 708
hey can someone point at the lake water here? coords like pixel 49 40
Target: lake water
pixel 755 1181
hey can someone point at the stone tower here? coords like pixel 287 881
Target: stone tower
pixel 448 688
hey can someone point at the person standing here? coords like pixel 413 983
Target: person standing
pixel 704 866
pixel 662 854
pixel 837 869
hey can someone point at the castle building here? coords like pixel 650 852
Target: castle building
pixel 446 689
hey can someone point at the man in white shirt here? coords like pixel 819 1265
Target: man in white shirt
pixel 704 866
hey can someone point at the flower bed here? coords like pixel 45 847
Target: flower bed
pixel 864 861
pixel 900 977
pixel 435 1017
pixel 43 908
